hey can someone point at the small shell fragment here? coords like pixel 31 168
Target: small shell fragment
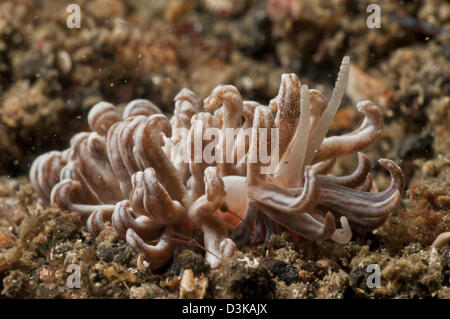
pixel 64 62
pixel 192 287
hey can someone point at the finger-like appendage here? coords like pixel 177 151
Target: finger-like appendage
pixel 341 192
pixel 96 223
pixel 115 158
pixel 226 250
pixel 64 192
pixel 44 173
pixel 146 228
pixel 366 214
pixel 85 194
pixel 243 138
pixel 343 235
pixel 140 107
pixel 126 143
pixel 102 116
pixel 290 169
pixel 249 112
pixel 199 157
pixel 214 185
pixel 157 255
pixel 358 207
pixel 188 96
pixel 205 215
pixel 303 223
pixel 288 104
pixel 201 212
pixel 218 245
pixel 148 153
pixel 398 181
pixel 259 147
pixel 120 146
pixel 283 200
pixel 150 198
pixel 357 178
pixel 186 105
pixel 229 96
pixel 367 185
pixel 355 141
pixel 319 132
pixel 232 110
pixel 324 167
pixel 92 169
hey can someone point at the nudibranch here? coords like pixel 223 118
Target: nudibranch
pixel 132 171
